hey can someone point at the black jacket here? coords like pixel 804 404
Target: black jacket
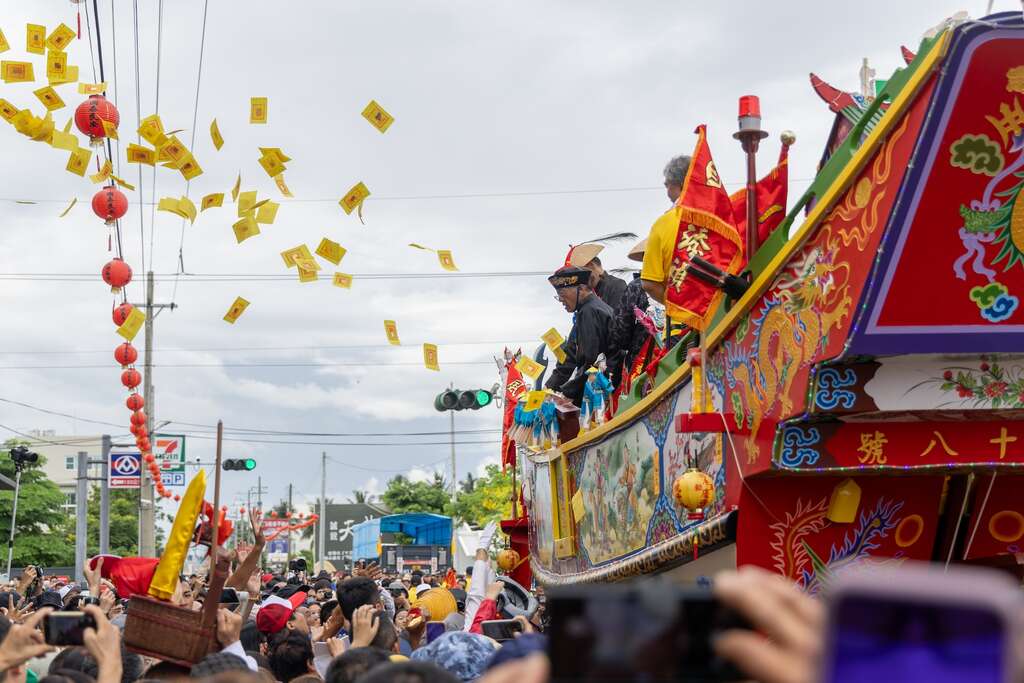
pixel 627 334
pixel 588 339
pixel 610 289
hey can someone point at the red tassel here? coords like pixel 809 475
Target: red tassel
pixel 79 23
pixel 696 543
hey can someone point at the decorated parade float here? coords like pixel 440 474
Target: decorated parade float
pixel 863 400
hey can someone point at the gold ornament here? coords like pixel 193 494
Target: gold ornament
pixel 508 559
pixel 694 490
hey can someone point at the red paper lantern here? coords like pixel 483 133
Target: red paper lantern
pixel 138 418
pixel 117 274
pixel 241 511
pixel 135 402
pixel 125 354
pixel 121 313
pixel 131 378
pixel 288 515
pixel 176 498
pixel 109 204
pixel 91 114
pixel 143 443
pixel 148 457
pixel 138 430
pixel 273 514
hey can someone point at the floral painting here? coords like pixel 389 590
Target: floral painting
pixel 989 384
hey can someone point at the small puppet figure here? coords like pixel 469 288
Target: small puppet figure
pixel 596 394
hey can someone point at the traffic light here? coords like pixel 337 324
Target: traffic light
pixel 244 464
pixel 464 399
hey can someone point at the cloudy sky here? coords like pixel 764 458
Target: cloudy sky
pixel 504 115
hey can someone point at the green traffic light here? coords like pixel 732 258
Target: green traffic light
pixel 249 463
pixel 483 398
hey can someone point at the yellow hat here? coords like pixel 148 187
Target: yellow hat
pixel 583 254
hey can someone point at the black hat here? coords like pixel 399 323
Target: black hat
pixel 569 276
pixel 49 599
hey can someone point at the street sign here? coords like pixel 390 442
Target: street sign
pixel 172 478
pixel 169 452
pixel 125 470
pixel 278 546
pixel 340 519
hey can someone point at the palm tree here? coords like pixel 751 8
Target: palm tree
pixel 311 530
pixel 359 496
pixel 469 483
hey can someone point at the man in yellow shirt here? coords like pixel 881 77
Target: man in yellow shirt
pixel 662 238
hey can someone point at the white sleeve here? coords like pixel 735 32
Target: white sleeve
pixel 477 589
pixel 236 649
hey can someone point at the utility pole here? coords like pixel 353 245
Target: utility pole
pixel 105 494
pixel 451 424
pixel 81 519
pixel 289 531
pixel 322 518
pixel 147 512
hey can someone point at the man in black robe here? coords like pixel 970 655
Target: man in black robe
pixel 590 332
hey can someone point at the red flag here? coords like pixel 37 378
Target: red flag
pixel 514 388
pixel 706 229
pixel 130 575
pixel 771 200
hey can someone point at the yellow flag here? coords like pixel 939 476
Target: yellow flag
pixel 16 72
pixel 151 129
pixel 63 213
pixel 35 39
pixel 190 168
pixel 246 200
pixel 211 200
pixel 292 255
pixel 430 357
pixel 378 118
pixel 138 154
pixel 97 89
pixel 391 331
pixel 79 161
pixel 60 37
pixel 234 190
pixel 258 110
pixel 70 76
pixel 330 251
pixel 272 165
pixel 110 130
pixel 65 141
pixel 56 64
pixel 343 280
pixel 7 110
pixel 188 208
pixel 218 141
pixel 131 325
pixel 245 228
pixel 445 257
pixel 354 197
pixel 236 310
pixel 267 213
pixel 529 367
pixel 279 179
pixel 49 97
pixel 103 174
pixel 534 400
pixel 4 45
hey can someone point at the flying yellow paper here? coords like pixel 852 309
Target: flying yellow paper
pixel 70 76
pixel 211 200
pixel 430 357
pixel 4 45
pixel 186 206
pixel 275 152
pixel 330 251
pixel 63 213
pixel 234 190
pixel 56 65
pixel 7 110
pixel 343 280
pixel 121 181
pixel 306 274
pixel 170 204
pixel 258 110
pixel 35 39
pixel 267 213
pixel 378 118
pixel 246 200
pixel 290 256
pixel 272 165
pixel 16 72
pixel 554 341
pixel 354 197
pixel 245 228
pixel 445 257
pixel 97 89
pixel 79 161
pixel 190 168
pixel 110 130
pixel 138 154
pixel 279 179
pixel 529 367
pixel 236 310
pixel 103 174
pixel 151 129
pixel 60 37
pixel 132 324
pixel 303 263
pixel 391 331
pixel 218 140
pixel 49 97
pixel 23 121
pixel 174 150
pixel 534 400
pixel 419 246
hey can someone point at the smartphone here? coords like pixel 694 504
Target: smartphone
pixel 649 631
pixel 435 629
pixel 501 629
pixel 66 628
pixel 918 622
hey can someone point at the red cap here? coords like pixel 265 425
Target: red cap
pixel 276 611
pixel 750 105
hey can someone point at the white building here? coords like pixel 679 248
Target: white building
pixel 61 453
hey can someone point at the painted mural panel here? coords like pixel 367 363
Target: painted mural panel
pixel 537 496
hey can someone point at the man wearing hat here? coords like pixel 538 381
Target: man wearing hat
pixel 589 335
pixel 627 333
pixel 278 612
pixel 604 284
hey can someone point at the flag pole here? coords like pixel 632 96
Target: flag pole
pixel 750 136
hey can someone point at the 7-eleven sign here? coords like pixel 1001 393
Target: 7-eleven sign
pixel 169 452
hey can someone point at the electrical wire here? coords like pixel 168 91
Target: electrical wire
pixel 138 135
pixel 152 189
pixel 273 277
pixel 345 364
pixel 367 469
pixel 260 348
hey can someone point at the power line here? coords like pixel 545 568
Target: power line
pixel 138 135
pixel 152 189
pixel 345 364
pixel 262 348
pixel 273 277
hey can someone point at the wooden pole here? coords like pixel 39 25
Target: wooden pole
pixel 215 522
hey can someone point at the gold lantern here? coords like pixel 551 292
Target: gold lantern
pixel 508 559
pixel 694 490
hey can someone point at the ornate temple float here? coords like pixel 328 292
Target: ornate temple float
pixel 866 393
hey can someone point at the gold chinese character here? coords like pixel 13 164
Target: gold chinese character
pixel 1012 122
pixel 1003 439
pixel 872 446
pixel 676 275
pixel 938 440
pixel 694 241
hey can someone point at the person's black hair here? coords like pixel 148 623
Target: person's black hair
pixel 67 676
pixel 469 571
pixel 356 592
pixel 79 659
pixel 347 667
pixel 252 637
pixel 408 672
pixel 326 609
pixel 261 659
pixel 386 636
pixel 417 575
pixel 596 260
pixel 291 657
pixel 218 663
pixel 166 671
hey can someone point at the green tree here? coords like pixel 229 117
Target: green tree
pixel 44 533
pixel 124 522
pixel 403 495
pixel 488 500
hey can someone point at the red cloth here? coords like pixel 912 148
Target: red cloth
pixel 771 200
pixel 487 611
pixel 515 387
pixel 706 229
pixel 131 575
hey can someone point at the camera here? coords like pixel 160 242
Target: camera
pixel 297 565
pixel 21 456
pixel 66 628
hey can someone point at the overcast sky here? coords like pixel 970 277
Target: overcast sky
pixel 525 97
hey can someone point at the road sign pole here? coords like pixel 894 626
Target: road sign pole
pixel 105 496
pixel 82 511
